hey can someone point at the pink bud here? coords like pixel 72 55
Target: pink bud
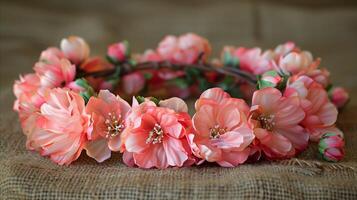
pixel 119 51
pixel 339 96
pixel 75 49
pixel 331 146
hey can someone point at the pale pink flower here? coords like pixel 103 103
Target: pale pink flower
pixel 75 49
pixel 51 55
pixel 184 49
pixel 118 51
pixel 320 112
pixel 339 96
pixel 283 49
pixel 157 137
pixel 275 120
pixel 56 73
pixel 295 62
pixel 133 83
pixel 253 60
pixel 108 114
pixel 221 133
pixel 62 126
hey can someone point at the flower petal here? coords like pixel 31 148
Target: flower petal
pixel 98 149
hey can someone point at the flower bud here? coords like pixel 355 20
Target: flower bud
pixel 331 146
pixel 75 49
pixel 339 96
pixel 82 87
pixel 119 52
pixel 269 79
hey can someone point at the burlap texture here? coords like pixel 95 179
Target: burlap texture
pixel 26 175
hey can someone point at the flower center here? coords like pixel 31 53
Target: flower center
pixel 155 135
pixel 114 125
pixel 267 122
pixel 216 131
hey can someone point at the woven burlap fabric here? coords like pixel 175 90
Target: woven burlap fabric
pixel 26 175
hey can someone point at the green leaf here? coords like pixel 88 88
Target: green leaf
pixel 192 74
pixel 128 49
pixel 180 82
pixel 264 84
pixel 230 60
pixel 155 100
pixel 147 76
pixel 140 99
pixel 203 84
pixel 271 73
pixel 112 60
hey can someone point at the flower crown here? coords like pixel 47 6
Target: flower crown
pixel 252 104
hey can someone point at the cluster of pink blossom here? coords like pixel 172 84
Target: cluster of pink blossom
pixel 62 111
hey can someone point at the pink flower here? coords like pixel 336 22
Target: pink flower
pixel 108 114
pixel 57 73
pixel 283 49
pixel 184 49
pixel 119 51
pixel 320 112
pixel 339 96
pixel 150 55
pixel 253 60
pixel 275 120
pixel 222 134
pixel 295 62
pixel 51 55
pixel 320 76
pixel 29 100
pixel 133 83
pixel 62 126
pixel 75 49
pixel 157 137
pixel 331 146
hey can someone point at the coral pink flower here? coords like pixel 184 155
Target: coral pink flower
pixel 62 126
pixel 222 134
pixel 320 112
pixel 157 137
pixel 275 120
pixel 252 60
pixel 29 100
pixel 320 76
pixel 75 49
pixel 27 85
pixel 56 73
pixel 133 83
pixel 184 49
pixel 108 114
pixel 119 51
pixel 339 96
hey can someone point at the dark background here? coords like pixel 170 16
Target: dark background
pixel 327 28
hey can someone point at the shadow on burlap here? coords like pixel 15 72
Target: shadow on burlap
pixel 26 175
